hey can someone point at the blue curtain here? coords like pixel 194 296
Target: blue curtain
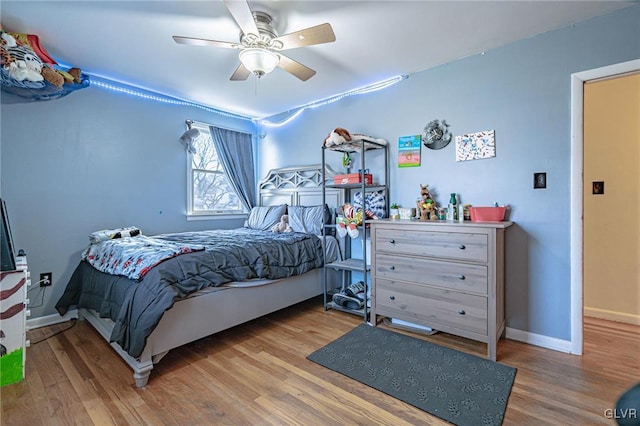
pixel 235 152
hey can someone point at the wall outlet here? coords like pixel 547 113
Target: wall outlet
pixel 45 279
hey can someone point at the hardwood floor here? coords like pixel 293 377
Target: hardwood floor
pixel 257 374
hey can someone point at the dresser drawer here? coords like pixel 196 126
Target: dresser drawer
pixel 451 275
pixel 431 306
pixel 451 245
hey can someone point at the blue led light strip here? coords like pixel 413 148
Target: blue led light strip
pixel 122 88
pixel 360 91
pixel 130 90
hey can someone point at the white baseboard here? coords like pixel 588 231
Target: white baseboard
pixel 511 333
pixel 51 319
pixel 539 340
pixel 612 315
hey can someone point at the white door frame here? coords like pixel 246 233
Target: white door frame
pixel 577 147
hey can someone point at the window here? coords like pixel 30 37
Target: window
pixel 209 191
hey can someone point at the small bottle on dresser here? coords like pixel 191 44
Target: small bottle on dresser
pixel 452 208
pixel 467 212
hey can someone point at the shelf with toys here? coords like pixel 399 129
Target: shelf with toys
pixel 367 199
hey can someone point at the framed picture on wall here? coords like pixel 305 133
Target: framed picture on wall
pixel 409 151
pixel 474 146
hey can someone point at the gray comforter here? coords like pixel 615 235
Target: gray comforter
pixel 229 255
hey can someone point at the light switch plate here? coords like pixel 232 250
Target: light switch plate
pixel 598 188
pixel 540 180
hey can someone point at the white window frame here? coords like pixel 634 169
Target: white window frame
pixel 204 214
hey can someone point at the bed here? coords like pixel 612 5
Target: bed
pixel 188 296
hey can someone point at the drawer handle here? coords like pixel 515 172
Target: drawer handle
pixel 392 241
pixel 461 312
pixel 393 268
pixel 461 277
pixel 461 247
pixel 392 297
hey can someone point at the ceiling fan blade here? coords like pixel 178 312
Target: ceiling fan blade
pixel 295 68
pixel 204 42
pixel 319 34
pixel 242 14
pixel 241 73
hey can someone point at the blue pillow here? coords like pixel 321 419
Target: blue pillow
pixel 309 219
pixel 264 217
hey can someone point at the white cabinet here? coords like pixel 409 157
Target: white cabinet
pixel 13 314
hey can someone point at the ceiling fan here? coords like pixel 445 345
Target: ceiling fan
pixel 260 45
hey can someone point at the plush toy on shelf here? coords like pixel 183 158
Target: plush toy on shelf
pixel 348 221
pixel 336 137
pixel 346 227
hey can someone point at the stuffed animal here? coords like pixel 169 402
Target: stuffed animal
pixel 188 138
pixel 352 214
pixel 348 220
pixel 5 41
pixel 32 41
pixel 283 225
pixel 337 136
pixel 52 76
pixel 76 74
pixel 70 77
pixel 426 205
pixel 20 61
pixel 25 59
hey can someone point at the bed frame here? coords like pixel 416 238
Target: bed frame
pixel 215 310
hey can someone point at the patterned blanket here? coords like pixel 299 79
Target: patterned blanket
pixel 133 257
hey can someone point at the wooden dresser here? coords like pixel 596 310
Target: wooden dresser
pixel 448 276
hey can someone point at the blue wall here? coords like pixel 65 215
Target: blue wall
pixel 522 91
pixel 98 159
pixel 95 159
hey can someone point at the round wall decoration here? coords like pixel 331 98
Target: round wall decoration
pixel 436 134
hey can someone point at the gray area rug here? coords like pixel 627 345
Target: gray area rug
pixel 460 388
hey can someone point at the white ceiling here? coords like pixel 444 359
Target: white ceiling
pixel 130 42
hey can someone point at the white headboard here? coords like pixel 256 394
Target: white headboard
pixel 298 186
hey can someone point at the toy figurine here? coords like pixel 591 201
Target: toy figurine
pixel 426 205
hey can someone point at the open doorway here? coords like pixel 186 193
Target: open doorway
pixel 611 205
pixel 577 190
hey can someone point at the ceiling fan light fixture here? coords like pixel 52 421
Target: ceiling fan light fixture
pixel 259 61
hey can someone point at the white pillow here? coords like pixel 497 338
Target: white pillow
pixel 264 217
